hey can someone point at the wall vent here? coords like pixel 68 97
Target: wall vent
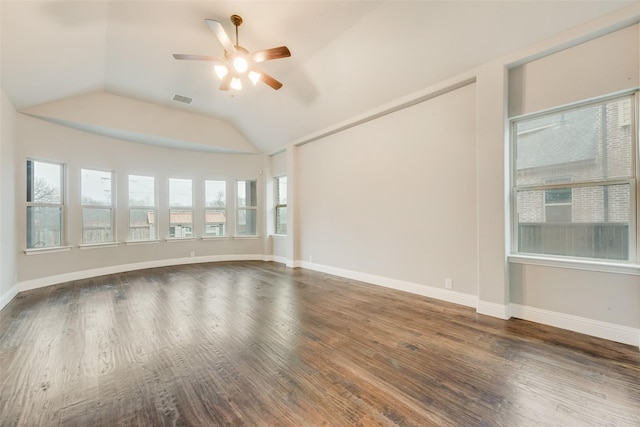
pixel 182 99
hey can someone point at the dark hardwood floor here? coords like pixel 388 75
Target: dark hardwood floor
pixel 257 344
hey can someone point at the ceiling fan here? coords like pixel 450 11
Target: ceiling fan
pixel 237 60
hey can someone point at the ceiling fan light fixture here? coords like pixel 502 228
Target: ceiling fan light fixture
pixel 254 77
pixel 238 61
pixel 220 71
pixel 236 83
pixel 240 64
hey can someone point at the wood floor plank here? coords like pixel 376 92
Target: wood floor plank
pixel 258 344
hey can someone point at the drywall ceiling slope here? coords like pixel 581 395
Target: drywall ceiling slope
pixel 144 122
pixel 52 50
pixel 348 57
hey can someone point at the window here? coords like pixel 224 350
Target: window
pixel 180 208
pixel 215 213
pixel 246 204
pixel 574 177
pixel 97 206
pixel 143 221
pixel 280 193
pixel 558 203
pixel 45 204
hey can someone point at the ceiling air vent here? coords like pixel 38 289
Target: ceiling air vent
pixel 182 99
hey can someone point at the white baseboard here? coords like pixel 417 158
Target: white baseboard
pixel 583 325
pixel 86 274
pixel 487 308
pixel 401 285
pixel 278 259
pixel 8 296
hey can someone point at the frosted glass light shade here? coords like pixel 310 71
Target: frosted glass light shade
pixel 220 71
pixel 236 84
pixel 254 77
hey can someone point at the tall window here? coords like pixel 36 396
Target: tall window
pixel 180 208
pixel 246 205
pixel 143 221
pixel 215 213
pixel 574 177
pixel 280 193
pixel 45 204
pixel 97 206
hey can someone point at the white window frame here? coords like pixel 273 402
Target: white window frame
pixel 222 209
pixel 246 208
pixel 149 208
pixel 631 266
pixel 110 207
pixel 177 208
pixel 277 205
pixel 30 178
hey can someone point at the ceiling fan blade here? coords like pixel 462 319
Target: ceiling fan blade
pixel 270 81
pixel 226 42
pixel 269 54
pixel 197 57
pixel 225 84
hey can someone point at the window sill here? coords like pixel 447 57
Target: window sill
pixel 278 236
pixel 38 251
pixel 214 238
pixel 577 264
pixel 99 245
pixel 247 237
pixel 141 242
pixel 179 239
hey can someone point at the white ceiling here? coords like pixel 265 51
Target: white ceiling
pixel 348 57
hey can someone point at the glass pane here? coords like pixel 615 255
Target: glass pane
pixel 585 144
pixel 141 190
pixel 281 220
pixel 142 224
pixel 247 194
pixel 180 194
pixel 215 193
pixel 44 226
pixel 96 225
pixel 594 225
pixel 281 190
pixel 215 222
pixel 246 222
pixel 96 187
pixel 180 223
pixel 44 183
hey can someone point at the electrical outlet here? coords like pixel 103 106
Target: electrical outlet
pixel 310 258
pixel 193 253
pixel 448 283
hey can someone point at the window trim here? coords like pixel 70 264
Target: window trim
pixel 180 208
pixel 237 235
pixel 155 237
pixel 63 246
pixel 111 207
pixel 276 197
pixel 630 266
pixel 225 209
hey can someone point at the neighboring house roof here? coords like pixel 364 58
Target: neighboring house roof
pixel 562 138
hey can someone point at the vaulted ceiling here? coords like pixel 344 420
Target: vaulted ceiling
pixel 107 66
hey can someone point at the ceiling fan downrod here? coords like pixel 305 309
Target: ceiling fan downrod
pixel 237 21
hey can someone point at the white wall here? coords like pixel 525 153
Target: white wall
pixel 602 301
pixel 604 65
pixel 395 197
pixel 345 230
pixel 8 197
pixel 47 141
